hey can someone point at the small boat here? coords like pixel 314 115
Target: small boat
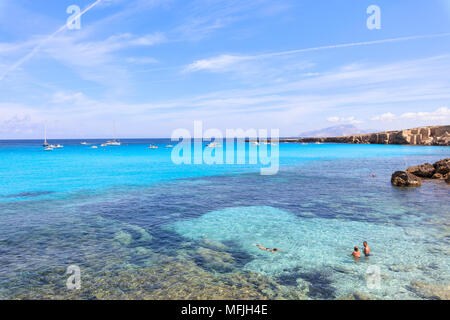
pixel 153 147
pixel 213 145
pixel 58 146
pixel 169 146
pixel 48 149
pixel 94 147
pixel 255 143
pixel 45 144
pixel 112 143
pixel 84 143
pixel 103 145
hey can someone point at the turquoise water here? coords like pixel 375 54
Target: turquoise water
pixel 129 217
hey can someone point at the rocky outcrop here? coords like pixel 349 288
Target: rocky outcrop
pixel 424 170
pixel 405 179
pixel 443 166
pixel 438 171
pixel 426 136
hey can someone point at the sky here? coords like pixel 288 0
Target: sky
pixel 153 66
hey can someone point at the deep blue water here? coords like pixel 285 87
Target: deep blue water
pixel 127 208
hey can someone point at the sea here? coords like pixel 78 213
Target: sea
pixel 127 222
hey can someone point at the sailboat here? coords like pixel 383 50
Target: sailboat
pixel 45 144
pixel 112 142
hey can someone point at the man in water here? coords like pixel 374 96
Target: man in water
pixel 274 250
pixel 366 249
pixel 356 253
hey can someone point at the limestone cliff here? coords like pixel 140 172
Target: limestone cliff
pixel 426 136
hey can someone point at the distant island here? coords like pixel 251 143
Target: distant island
pixel 425 136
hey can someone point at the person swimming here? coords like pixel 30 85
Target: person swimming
pixel 274 250
pixel 356 253
pixel 366 249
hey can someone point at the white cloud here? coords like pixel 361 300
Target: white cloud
pixel 220 63
pixel 437 115
pixel 350 120
pixel 141 60
pixel 440 114
pixel 384 117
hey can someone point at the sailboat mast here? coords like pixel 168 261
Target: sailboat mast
pixel 45 136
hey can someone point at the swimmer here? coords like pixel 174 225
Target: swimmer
pixel 356 253
pixel 366 249
pixel 372 175
pixel 274 250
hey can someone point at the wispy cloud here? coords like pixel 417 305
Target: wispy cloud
pixel 223 61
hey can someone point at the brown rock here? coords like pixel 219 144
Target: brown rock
pixel 443 166
pixel 405 179
pixel 448 178
pixel 424 170
pixel 437 176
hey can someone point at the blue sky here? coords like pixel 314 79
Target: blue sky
pixel 152 66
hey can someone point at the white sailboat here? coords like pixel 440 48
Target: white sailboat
pixel 114 141
pixel 45 144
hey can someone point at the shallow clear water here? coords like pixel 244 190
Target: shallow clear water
pixel 140 226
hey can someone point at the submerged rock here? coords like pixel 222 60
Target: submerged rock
pixel 424 170
pixel 430 291
pixel 405 179
pixel 123 238
pixel 357 296
pixel 221 261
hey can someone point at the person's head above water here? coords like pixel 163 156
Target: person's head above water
pixel 365 243
pixel 356 249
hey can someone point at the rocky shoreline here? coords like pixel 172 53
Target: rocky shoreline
pixel 413 176
pixel 425 136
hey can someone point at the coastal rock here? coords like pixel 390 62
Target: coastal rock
pixel 437 176
pixel 426 136
pixel 448 178
pixel 405 179
pixel 443 166
pixel 424 170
